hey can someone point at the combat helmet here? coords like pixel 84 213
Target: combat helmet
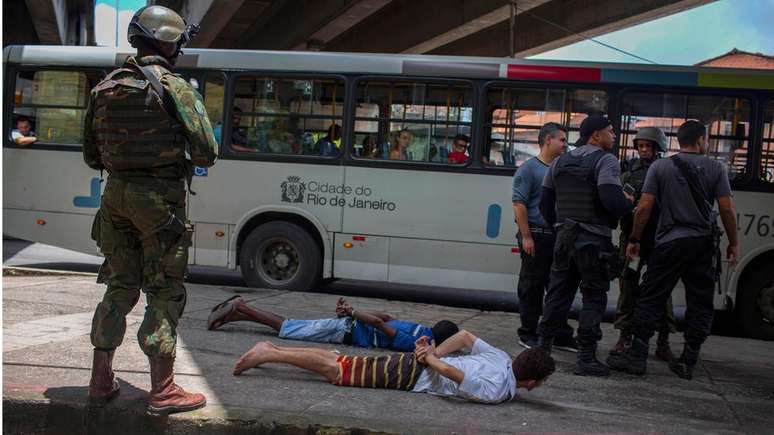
pixel 160 29
pixel 653 134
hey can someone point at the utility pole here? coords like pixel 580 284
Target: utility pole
pixel 512 30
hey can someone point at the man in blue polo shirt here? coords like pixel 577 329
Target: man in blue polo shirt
pixel 536 238
pixel 356 328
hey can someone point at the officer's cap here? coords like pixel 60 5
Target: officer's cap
pixel 590 125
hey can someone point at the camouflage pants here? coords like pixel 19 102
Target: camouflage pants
pixel 141 229
pixel 627 299
pixel 629 284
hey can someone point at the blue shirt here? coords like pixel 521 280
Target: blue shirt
pixel 527 184
pixel 406 334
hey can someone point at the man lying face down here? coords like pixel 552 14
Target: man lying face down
pixel 357 328
pixel 485 375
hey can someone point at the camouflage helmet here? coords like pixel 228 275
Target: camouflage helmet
pixel 160 29
pixel 653 134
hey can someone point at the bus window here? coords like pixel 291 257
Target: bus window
pixel 515 116
pixel 214 93
pixel 277 115
pixel 727 120
pixel 415 121
pixel 767 147
pixel 53 103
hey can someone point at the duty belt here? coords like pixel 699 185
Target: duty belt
pixel 541 230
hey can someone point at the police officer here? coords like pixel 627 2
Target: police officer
pixel 142 125
pixel 684 186
pixel 650 143
pixel 582 195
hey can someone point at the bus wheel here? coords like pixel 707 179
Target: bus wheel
pixel 281 255
pixel 755 305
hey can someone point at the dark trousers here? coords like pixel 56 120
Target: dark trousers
pixel 577 262
pixel 690 260
pixel 533 281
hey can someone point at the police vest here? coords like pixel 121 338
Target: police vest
pixel 575 183
pixel 132 128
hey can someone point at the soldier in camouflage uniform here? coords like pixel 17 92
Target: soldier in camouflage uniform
pixel 650 142
pixel 147 128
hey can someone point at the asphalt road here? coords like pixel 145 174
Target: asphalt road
pixel 21 253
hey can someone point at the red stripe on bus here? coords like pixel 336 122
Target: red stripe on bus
pixel 515 250
pixel 575 74
pixel 358 238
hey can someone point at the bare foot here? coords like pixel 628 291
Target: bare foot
pixel 253 357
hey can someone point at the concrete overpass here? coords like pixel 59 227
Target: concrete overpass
pixel 454 27
pixel 52 22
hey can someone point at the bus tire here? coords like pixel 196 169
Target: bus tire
pixel 281 255
pixel 749 314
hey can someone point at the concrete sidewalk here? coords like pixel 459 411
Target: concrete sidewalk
pixel 47 358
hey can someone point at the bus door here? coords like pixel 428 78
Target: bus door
pixel 280 145
pixel 413 213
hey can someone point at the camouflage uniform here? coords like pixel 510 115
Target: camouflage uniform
pixel 629 282
pixel 141 226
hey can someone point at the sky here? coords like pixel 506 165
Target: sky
pixel 105 21
pixel 685 38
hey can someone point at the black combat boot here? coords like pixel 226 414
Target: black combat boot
pixel 587 363
pixel 634 360
pixel 545 343
pixel 683 366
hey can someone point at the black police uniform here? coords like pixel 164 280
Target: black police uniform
pixel 581 257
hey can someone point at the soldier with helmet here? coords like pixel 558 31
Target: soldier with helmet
pixel 147 128
pixel 650 143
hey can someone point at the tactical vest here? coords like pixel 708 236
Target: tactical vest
pixel 132 127
pixel 575 183
pixel 635 174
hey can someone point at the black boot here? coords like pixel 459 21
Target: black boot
pixel 587 363
pixel 683 366
pixel 634 360
pixel 545 343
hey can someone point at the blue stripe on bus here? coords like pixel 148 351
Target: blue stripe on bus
pixel 91 201
pixel 493 221
pixel 650 77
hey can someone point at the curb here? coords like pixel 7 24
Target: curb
pixel 31 271
pixel 35 416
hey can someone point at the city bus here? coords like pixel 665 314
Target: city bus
pixel 336 165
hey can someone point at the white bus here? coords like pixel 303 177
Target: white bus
pixel 338 165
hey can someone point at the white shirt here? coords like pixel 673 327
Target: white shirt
pixel 488 376
pixel 15 134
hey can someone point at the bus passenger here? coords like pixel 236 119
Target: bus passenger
pixel 402 141
pixel 328 145
pixel 239 139
pixel 485 375
pixel 369 148
pixel 459 154
pixel 356 328
pixel 687 248
pixel 536 238
pixel 23 135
